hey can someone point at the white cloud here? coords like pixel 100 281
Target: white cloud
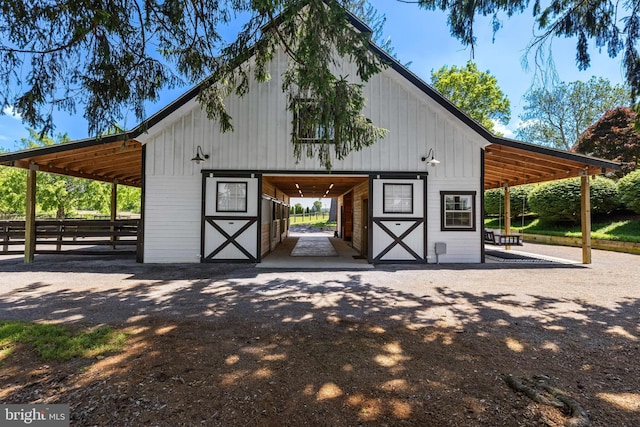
pixel 504 130
pixel 9 111
pixel 526 123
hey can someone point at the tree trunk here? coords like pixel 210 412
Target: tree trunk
pixel 333 210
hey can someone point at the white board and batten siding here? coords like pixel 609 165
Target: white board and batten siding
pixel 261 142
pixel 173 214
pixel 461 176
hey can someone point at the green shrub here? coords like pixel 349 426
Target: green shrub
pixel 605 197
pixel 560 200
pixel 629 189
pixel 494 200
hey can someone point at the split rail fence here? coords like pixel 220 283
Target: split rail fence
pixel 80 236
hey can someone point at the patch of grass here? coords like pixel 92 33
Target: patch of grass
pixel 323 224
pixel 56 342
pixel 620 229
pixel 310 218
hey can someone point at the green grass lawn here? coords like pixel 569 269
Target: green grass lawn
pixel 624 229
pixel 318 219
pixel 56 342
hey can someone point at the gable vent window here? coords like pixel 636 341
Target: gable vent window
pixel 306 117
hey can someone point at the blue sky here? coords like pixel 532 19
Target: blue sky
pixel 423 38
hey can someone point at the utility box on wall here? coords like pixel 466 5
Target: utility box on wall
pixel 441 249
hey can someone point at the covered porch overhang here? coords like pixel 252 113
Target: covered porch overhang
pixel 118 159
pixel 509 163
pixel 115 159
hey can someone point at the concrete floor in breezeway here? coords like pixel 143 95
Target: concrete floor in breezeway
pixel 347 257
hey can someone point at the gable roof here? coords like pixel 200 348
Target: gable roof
pixel 119 156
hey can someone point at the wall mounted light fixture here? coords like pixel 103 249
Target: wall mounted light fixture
pixel 200 156
pixel 430 158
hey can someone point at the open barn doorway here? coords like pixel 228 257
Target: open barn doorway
pixel 319 223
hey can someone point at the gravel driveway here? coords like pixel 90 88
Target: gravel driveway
pixel 396 345
pixel 96 290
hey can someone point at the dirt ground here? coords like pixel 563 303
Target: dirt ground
pixel 421 346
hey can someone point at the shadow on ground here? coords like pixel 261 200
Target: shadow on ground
pixel 235 349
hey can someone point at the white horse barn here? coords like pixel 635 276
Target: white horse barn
pixel 395 204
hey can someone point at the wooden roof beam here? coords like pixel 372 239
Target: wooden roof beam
pixel 532 170
pixel 527 158
pixel 106 167
pixel 131 176
pixel 112 148
pixel 95 158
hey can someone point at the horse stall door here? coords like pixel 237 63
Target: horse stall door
pixel 231 225
pixel 398 220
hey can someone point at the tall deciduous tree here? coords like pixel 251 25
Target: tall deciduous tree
pixel 475 92
pixel 556 117
pixel 614 137
pixel 13 190
pixel 610 25
pixel 60 194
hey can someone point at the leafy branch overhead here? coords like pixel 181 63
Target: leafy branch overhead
pixel 114 56
pixel 110 58
pixel 315 36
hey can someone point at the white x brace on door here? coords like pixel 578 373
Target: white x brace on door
pixel 230 225
pixel 398 219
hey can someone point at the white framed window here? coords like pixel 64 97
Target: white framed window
pixel 306 116
pixel 398 198
pixel 458 210
pixel 231 196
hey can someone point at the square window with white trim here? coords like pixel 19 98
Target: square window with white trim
pixel 231 197
pixel 398 198
pixel 458 211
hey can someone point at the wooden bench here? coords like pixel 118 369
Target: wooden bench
pixel 492 238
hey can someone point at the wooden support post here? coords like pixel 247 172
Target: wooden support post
pixel 114 211
pixel 30 219
pixel 585 217
pixel 5 232
pixel 60 229
pixel 507 212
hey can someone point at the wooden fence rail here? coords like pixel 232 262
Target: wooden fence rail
pixel 54 236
